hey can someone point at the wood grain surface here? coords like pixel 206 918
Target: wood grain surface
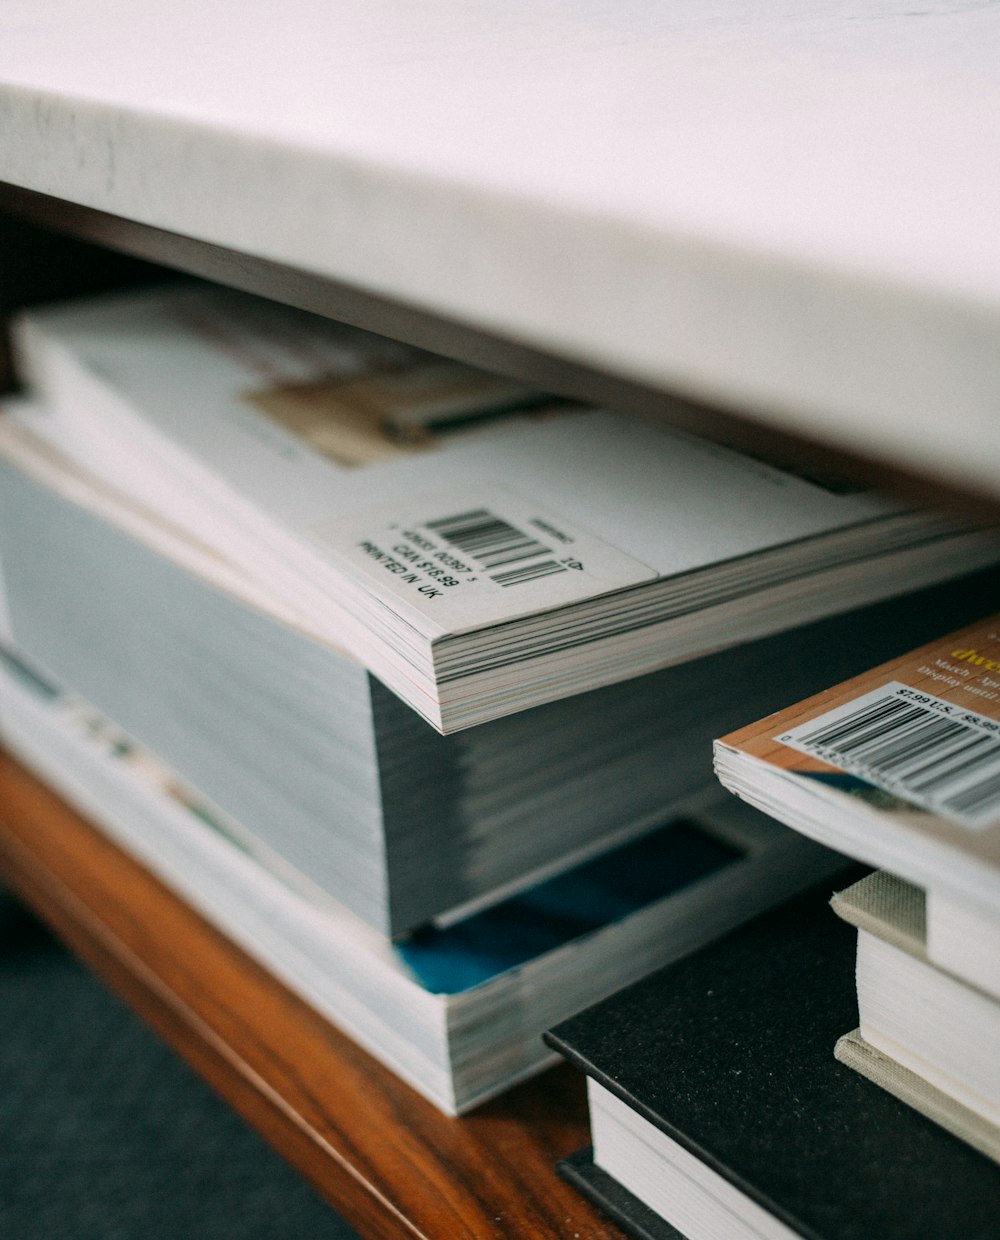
pixel 384 1157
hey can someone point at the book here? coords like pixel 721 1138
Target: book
pixel 964 938
pixel 457 1011
pixel 916 1091
pixel 330 776
pixel 930 1023
pixel 899 767
pixel 718 1108
pixel 503 561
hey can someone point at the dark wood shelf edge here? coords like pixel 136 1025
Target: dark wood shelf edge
pixel 386 1159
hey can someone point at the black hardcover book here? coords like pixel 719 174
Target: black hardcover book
pixel 631 1214
pixel 729 1053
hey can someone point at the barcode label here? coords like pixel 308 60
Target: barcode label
pixel 447 560
pixel 928 751
pixel 496 544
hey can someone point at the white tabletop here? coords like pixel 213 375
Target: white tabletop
pixel 796 212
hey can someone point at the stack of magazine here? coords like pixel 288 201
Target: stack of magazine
pixel 262 575
pixel 456 1009
pixel 479 548
pixel 718 1110
pixel 901 767
pixel 749 1125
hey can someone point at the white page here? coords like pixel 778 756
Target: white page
pixel 192 366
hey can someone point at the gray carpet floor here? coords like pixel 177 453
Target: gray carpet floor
pixel 106 1135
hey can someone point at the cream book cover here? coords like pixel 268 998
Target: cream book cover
pixel 884 1071
pixel 925 1034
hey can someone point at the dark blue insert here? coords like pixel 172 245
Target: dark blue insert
pixel 584 899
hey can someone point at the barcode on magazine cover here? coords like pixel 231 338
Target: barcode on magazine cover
pixel 497 545
pixel 930 752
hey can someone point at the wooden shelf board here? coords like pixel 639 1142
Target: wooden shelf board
pixel 384 1157
pixel 786 211
pixel 39 228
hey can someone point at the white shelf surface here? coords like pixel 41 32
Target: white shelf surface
pixel 792 209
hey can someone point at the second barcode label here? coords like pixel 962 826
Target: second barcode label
pixel 931 752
